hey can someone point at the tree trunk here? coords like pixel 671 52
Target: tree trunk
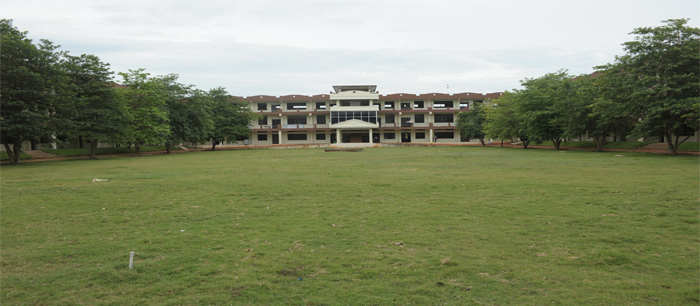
pixel 557 143
pixel 194 146
pixel 168 147
pixel 17 148
pixel 93 148
pixel 501 143
pixel 525 143
pixel 137 149
pixel 9 152
pixel 482 142
pixel 669 141
pixel 598 143
pixel 213 145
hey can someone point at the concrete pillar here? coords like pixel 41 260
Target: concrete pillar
pixel 371 140
pixel 338 139
pixel 280 136
pixel 431 135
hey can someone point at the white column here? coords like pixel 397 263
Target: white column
pixel 337 136
pixel 431 135
pixel 370 136
pixel 280 136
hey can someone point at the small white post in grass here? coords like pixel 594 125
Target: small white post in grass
pixel 131 259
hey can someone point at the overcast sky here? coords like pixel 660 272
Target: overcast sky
pixel 304 47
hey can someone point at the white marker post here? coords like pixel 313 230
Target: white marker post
pixel 131 260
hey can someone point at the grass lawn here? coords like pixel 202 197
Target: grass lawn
pixel 591 144
pixel 386 226
pixel 22 155
pixel 689 146
pixel 86 151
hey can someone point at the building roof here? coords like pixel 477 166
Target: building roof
pixel 368 88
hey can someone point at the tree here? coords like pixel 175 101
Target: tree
pixel 189 113
pixel 147 117
pixel 661 65
pixel 231 118
pixel 503 121
pixel 537 106
pixel 95 113
pixel 30 91
pixel 471 123
pixel 597 111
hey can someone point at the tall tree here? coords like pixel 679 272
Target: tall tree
pixel 471 123
pixel 662 66
pixel 231 118
pixel 145 99
pixel 537 106
pixel 189 112
pixel 30 91
pixel 503 121
pixel 95 113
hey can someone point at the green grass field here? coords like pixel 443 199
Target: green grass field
pixel 591 144
pixel 22 156
pixel 86 151
pixel 689 146
pixel 386 226
pixel 686 146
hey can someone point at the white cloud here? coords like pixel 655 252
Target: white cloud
pixel 283 47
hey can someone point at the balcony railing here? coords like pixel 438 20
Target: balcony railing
pixel 288 126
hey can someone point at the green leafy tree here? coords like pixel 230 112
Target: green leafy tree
pixel 597 111
pixel 94 113
pixel 538 106
pixel 30 91
pixel 144 98
pixel 661 66
pixel 503 121
pixel 471 123
pixel 189 113
pixel 231 118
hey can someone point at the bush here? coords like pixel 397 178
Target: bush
pixel 85 151
pixel 4 156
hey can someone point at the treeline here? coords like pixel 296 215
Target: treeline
pixel 51 96
pixel 652 90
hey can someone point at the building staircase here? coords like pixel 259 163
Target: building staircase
pixel 656 146
pixel 38 154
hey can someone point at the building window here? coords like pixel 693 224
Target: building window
pixel 262 137
pixel 296 105
pixel 444 117
pixel 440 135
pixel 262 106
pixel 275 107
pixel 418 104
pixel 320 105
pixel 389 135
pixel 389 118
pixel 321 119
pixel 341 116
pixel 296 136
pixel 320 136
pixel 420 118
pixel 296 119
pixel 420 135
pixel 263 120
pixel 388 104
pixel 443 104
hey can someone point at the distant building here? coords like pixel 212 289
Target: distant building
pixel 359 114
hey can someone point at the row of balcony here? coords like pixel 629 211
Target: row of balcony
pixel 385 110
pixel 327 126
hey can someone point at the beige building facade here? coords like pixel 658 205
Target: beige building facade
pixel 360 114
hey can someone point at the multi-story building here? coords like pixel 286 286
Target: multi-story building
pixel 359 114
